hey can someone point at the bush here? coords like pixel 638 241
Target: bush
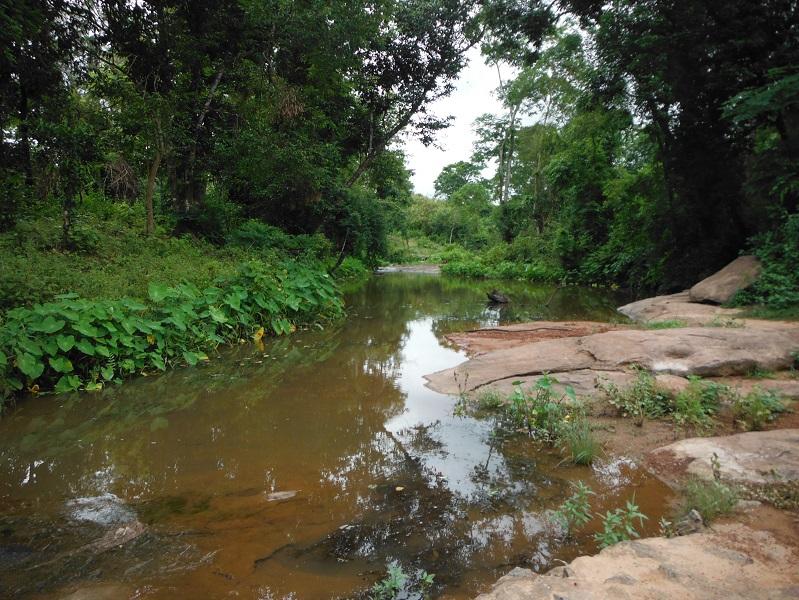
pixel 778 250
pixel 696 405
pixel 643 399
pixel 711 499
pixel 258 236
pixel 73 343
pixel 757 408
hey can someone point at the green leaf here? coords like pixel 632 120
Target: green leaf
pixel 30 366
pixel 217 315
pixel 234 301
pixel 102 351
pixel 190 358
pixel 94 386
pixel 48 325
pixel 50 346
pixel 86 329
pixel 61 364
pixel 157 361
pixel 85 346
pixel 158 291
pixel 3 359
pixel 69 296
pixel 67 383
pixel 65 342
pixel 30 346
pixel 107 373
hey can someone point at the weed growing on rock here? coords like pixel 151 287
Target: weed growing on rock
pixel 698 403
pixel 643 399
pixel 398 584
pixel 757 408
pixel 489 400
pixel 669 324
pixel 540 410
pixel 711 499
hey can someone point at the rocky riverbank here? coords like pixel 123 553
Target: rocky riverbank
pixel 755 553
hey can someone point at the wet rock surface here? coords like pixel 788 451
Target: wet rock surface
pixel 730 561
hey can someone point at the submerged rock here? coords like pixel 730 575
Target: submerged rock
pixel 498 297
pixel 723 285
pixel 105 509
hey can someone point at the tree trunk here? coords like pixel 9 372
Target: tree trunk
pixel 148 197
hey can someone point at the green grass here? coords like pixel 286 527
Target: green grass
pixel 668 324
pixel 579 442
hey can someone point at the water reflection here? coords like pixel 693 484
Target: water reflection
pixel 300 470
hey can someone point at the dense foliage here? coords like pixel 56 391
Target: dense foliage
pixel 73 343
pixel 642 144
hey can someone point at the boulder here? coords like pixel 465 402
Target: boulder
pixel 676 307
pixel 722 286
pixel 755 457
pixel 729 561
pixel 498 297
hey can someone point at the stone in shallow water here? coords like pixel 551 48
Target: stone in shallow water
pixel 105 509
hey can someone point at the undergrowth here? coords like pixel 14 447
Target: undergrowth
pixel 73 343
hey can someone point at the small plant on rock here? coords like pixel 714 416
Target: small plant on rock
pixel 698 403
pixel 757 408
pixel 643 399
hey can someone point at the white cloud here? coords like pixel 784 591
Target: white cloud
pixel 473 96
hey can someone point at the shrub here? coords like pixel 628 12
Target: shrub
pixel 489 399
pixel 643 399
pixel 757 408
pixel 711 499
pixel 696 405
pixel 576 510
pixel 778 250
pixel 619 525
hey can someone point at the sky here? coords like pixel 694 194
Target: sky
pixel 473 96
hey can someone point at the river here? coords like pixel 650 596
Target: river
pixel 300 470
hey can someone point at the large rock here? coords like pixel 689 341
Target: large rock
pixel 732 561
pixel 675 307
pixel 686 351
pixel 756 457
pixel 722 286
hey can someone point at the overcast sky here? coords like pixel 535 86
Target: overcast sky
pixel 472 97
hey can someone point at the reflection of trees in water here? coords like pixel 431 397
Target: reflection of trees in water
pixel 325 396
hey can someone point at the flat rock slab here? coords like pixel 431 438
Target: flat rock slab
pixel 755 457
pixel 723 285
pixel 478 341
pixel 732 561
pixel 703 351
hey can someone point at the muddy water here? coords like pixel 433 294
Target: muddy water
pixel 299 471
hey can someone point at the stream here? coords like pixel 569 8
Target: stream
pixel 300 470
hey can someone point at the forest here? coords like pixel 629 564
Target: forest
pixel 154 148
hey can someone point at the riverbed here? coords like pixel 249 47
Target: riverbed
pixel 300 470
